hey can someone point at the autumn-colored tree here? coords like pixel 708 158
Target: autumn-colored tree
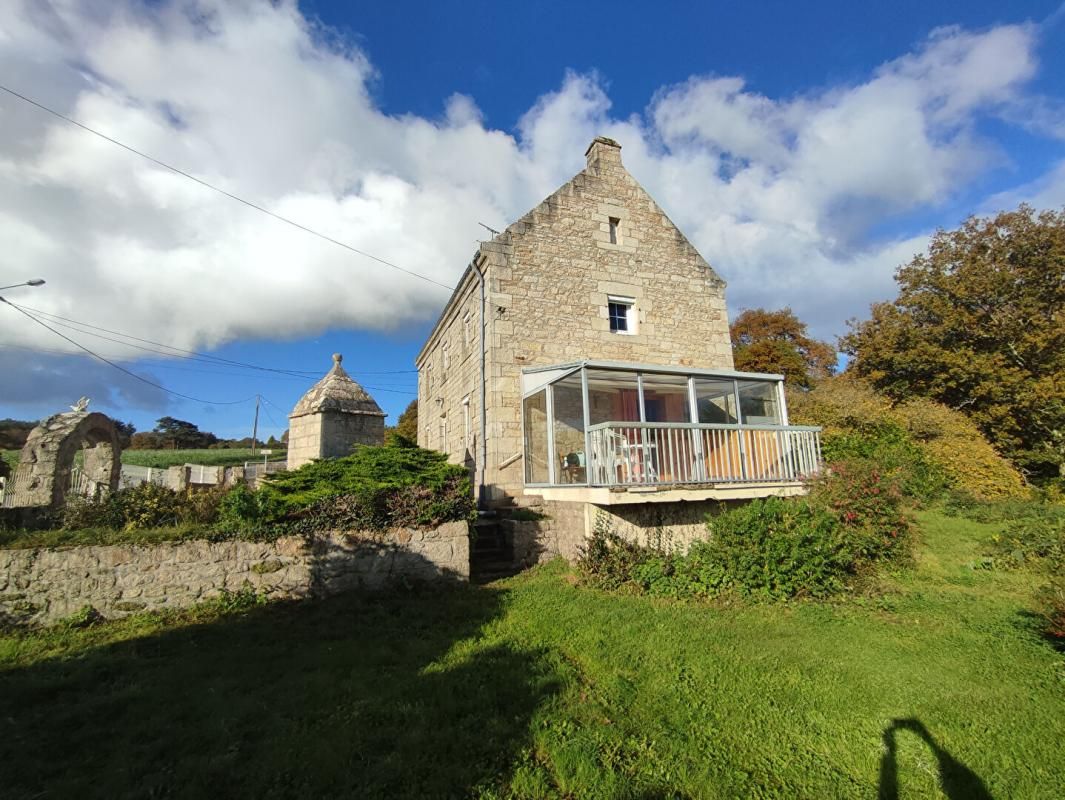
pixel 979 325
pixel 776 341
pixel 407 424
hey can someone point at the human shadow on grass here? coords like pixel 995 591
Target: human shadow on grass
pixel 957 781
pixel 393 694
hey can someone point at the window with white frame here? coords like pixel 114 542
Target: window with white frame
pixel 429 377
pixel 443 431
pixel 445 357
pixel 467 331
pixel 622 313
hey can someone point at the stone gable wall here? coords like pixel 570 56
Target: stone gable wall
pixel 549 276
pixel 40 586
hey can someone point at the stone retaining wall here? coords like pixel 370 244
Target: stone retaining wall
pixel 43 585
pixel 565 527
pixel 561 531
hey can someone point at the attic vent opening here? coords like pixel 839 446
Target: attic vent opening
pixel 614 222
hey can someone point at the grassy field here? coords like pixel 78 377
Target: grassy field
pixel 536 687
pixel 210 458
pixel 168 458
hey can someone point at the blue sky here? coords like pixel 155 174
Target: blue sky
pixel 806 149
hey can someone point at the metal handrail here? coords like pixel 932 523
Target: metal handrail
pixel 664 453
pixel 702 425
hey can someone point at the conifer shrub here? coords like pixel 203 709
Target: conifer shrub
pixel 390 466
pixel 375 488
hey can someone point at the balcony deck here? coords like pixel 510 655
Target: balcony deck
pixel 660 453
pixel 658 462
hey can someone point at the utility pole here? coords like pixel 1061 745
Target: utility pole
pixel 255 425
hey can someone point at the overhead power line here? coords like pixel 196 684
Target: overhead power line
pixel 177 350
pixel 221 191
pixel 121 368
pixel 386 388
pixel 198 356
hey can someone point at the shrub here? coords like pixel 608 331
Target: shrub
pixel 368 468
pixel 772 549
pixel 375 488
pixel 242 510
pixel 955 444
pixel 776 549
pixel 1052 603
pixel 146 505
pixel 149 505
pixel 895 453
pixel 929 445
pixel 869 505
pixel 203 506
pixel 101 512
pixel 1035 540
pixel 608 561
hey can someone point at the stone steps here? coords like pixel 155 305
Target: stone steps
pixel 491 556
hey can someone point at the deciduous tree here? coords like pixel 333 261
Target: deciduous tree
pixel 177 433
pixel 979 325
pixel 407 424
pixel 777 341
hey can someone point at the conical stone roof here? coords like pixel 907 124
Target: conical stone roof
pixel 336 392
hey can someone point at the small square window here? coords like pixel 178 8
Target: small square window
pixel 622 315
pixel 614 222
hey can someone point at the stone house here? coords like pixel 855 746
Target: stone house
pixel 583 365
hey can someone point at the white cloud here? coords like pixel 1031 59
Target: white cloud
pixel 778 193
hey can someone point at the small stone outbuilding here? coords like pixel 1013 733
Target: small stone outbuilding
pixel 334 416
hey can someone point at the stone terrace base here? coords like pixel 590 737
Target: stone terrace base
pixel 664 522
pixel 44 585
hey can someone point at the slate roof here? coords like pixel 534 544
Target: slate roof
pixel 337 392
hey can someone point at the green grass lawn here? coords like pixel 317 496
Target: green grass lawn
pixel 169 458
pixel 537 687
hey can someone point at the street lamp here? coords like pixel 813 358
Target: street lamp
pixel 31 282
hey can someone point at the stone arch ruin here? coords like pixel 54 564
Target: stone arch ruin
pixel 46 463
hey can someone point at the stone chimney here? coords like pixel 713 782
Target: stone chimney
pixel 603 151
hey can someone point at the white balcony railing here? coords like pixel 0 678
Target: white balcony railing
pixel 654 453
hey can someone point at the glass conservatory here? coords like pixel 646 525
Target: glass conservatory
pixel 612 424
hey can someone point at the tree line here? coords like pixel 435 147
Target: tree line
pixel 978 325
pixel 169 433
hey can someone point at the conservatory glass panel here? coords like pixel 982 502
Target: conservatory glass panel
pixel 759 403
pixel 571 463
pixel 535 416
pixel 716 401
pixel 665 398
pixel 613 396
